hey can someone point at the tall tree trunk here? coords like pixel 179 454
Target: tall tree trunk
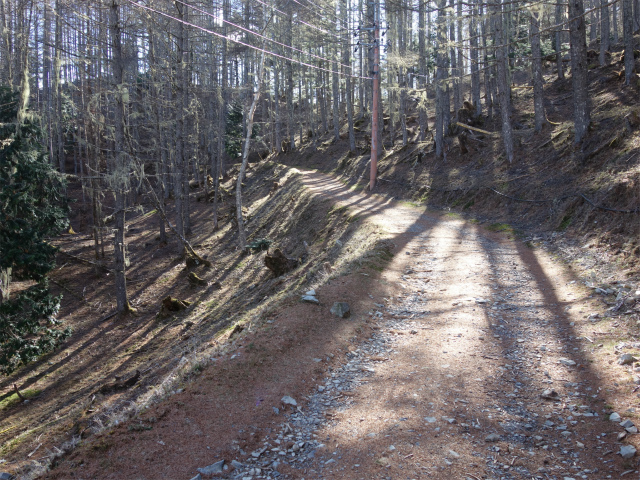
pixel 335 86
pixel 422 70
pixel 121 174
pixel 290 125
pixel 501 80
pixel 605 31
pixel 627 32
pixel 475 71
pixel 346 59
pixel 178 185
pixel 222 110
pixel 614 16
pixel 441 75
pixel 455 74
pixel 536 71
pixel 560 9
pixel 242 236
pixel 577 33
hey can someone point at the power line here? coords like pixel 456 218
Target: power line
pixel 298 20
pixel 144 7
pixel 262 36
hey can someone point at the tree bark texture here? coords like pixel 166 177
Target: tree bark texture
pixel 577 33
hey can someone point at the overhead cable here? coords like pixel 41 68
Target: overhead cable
pixel 273 54
pixel 262 36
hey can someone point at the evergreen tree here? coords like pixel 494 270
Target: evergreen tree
pixel 32 208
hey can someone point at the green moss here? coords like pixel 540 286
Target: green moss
pixel 12 399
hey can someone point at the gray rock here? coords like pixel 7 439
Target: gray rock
pixel 492 438
pixel 311 293
pixel 197 477
pixel 287 400
pixel 633 429
pixel 622 436
pixel 430 419
pixel 276 410
pixel 566 361
pixel 341 309
pixel 626 424
pixel 627 452
pixel 626 359
pixel 615 417
pixel 236 464
pixel 310 299
pixel 6 476
pixel 213 468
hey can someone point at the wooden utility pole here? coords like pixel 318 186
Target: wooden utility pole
pixel 376 94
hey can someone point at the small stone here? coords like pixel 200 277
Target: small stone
pixel 454 454
pixel 622 436
pixel 276 410
pixel 492 438
pixel 633 429
pixel 310 299
pixel 580 444
pixel 236 464
pixel 330 461
pixel 197 477
pixel 550 395
pixel 384 461
pixel 626 359
pixel 287 400
pixel 392 448
pixel 430 419
pixel 615 417
pixel 311 293
pixel 626 424
pixel 213 468
pixel 6 476
pixel 627 452
pixel 320 388
pixel 341 309
pixel 568 362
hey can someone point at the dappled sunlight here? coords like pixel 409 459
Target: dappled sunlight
pixel 481 328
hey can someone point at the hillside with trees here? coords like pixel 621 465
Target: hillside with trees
pixel 154 174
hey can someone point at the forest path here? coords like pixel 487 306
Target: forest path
pixel 440 372
pixel 477 368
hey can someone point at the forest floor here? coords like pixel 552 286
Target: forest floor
pixel 471 355
pixel 475 286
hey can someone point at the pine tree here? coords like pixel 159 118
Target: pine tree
pixel 32 208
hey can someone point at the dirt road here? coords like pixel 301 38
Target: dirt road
pixel 468 357
pixel 483 371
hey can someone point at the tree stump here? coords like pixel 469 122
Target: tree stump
pixel 279 264
pixel 170 305
pixel 195 279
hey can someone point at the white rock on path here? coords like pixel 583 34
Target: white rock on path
pixel 287 400
pixel 627 451
pixel 566 361
pixel 615 417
